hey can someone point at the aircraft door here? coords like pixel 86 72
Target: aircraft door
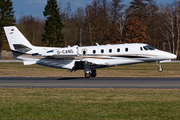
pixel 77 50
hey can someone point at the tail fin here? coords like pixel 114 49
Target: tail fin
pixel 16 39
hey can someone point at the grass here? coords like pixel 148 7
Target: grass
pixel 137 70
pixel 89 104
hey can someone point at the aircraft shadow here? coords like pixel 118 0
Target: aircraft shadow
pixel 70 78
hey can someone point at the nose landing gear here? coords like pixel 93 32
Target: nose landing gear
pixel 160 69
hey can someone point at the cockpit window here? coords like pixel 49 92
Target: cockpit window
pixel 145 48
pixel 148 47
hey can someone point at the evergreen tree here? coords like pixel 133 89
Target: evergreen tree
pixel 6 19
pixel 137 9
pixel 53 25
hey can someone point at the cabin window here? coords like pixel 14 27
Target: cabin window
pixel 110 50
pixel 141 48
pixel 84 52
pixel 102 51
pixel 35 54
pixel 118 50
pixel 94 51
pixel 126 49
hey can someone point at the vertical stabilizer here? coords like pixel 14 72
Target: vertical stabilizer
pixel 16 39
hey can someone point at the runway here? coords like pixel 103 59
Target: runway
pixel 99 82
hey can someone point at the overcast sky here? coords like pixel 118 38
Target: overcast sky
pixel 36 7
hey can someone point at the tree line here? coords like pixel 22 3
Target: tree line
pixel 109 22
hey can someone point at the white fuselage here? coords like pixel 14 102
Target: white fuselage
pixel 107 55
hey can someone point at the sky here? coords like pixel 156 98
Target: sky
pixel 36 7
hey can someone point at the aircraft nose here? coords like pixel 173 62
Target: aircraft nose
pixel 172 56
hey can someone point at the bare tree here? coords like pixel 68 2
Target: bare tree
pixel 168 30
pixel 116 9
pixel 178 27
pixel 152 22
pixel 32 28
pixel 121 25
pixel 66 20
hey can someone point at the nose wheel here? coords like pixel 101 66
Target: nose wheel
pixel 160 69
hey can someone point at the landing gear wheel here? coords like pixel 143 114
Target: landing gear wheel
pixel 87 75
pixel 93 73
pixel 160 69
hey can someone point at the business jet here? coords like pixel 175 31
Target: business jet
pixel 87 58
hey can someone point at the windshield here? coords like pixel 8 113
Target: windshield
pixel 148 47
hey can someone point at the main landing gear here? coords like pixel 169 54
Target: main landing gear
pixel 91 73
pixel 160 69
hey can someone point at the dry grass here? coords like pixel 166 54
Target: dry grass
pixel 138 70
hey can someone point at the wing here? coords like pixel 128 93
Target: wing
pixel 89 64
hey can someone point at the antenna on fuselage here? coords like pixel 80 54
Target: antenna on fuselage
pixel 97 44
